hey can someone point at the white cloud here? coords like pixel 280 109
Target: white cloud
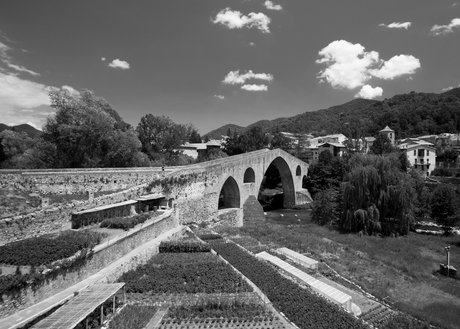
pixel 252 44
pixel 116 63
pixel 71 90
pixel 234 77
pixel 271 6
pixel 3 50
pixel 236 20
pixel 219 96
pixel 397 66
pixel 449 88
pixel 368 92
pixel 254 87
pixel 350 66
pixel 445 29
pixel 8 60
pixel 103 59
pixel 397 25
pixel 18 98
pixel 21 68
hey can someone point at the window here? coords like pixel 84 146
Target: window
pixel 415 161
pixel 427 153
pixel 415 153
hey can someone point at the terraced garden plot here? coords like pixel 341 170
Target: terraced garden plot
pixel 201 274
pixel 220 315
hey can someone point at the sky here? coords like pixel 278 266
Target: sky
pixel 215 62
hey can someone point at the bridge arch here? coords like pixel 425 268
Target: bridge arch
pixel 298 171
pixel 229 196
pixel 287 180
pixel 249 176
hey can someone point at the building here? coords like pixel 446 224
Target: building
pixel 192 149
pixel 390 133
pixel 336 138
pixel 421 155
pixel 336 149
pixel 298 140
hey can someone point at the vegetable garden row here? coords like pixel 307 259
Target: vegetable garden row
pixel 301 306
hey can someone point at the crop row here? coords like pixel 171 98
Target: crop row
pixel 133 317
pixel 184 278
pixel 184 258
pixel 230 310
pixel 184 246
pixel 44 250
pixel 301 306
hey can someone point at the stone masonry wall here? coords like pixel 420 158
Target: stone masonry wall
pixel 104 255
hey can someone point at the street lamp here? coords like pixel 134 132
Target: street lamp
pixel 448 258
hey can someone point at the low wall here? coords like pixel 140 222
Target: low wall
pixel 104 254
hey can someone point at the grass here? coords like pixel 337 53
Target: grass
pixel 404 268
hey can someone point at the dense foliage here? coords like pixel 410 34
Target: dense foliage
pixel 403 321
pixel 161 138
pixel 125 223
pixel 44 250
pixel 377 196
pixel 88 132
pixel 133 317
pixel 210 236
pixel 184 246
pixel 252 140
pixel 213 309
pixel 301 306
pixel 445 207
pixel 200 276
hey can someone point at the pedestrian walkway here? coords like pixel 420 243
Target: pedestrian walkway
pixel 156 320
pixel 22 317
pixel 331 293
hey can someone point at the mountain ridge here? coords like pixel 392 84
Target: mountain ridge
pixel 411 114
pixel 28 129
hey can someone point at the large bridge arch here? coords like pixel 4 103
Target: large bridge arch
pixel 229 195
pixel 287 179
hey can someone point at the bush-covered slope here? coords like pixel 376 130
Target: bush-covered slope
pixel 411 114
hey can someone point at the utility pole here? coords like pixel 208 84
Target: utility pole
pixel 448 258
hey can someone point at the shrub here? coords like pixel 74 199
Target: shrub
pixel 184 246
pixel 443 172
pixel 46 249
pixel 210 236
pixel 125 223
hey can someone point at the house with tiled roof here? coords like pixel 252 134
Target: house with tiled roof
pixel 421 155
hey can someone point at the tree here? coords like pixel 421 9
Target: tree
pixel 382 145
pixel 444 207
pixel 194 137
pixel 377 196
pixel 324 207
pixel 210 154
pixel 161 137
pixel 19 151
pixel 326 174
pixel 254 139
pixel 88 132
pixel 279 141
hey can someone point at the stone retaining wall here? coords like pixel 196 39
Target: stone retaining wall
pixel 104 254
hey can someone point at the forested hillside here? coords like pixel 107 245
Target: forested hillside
pixel 412 114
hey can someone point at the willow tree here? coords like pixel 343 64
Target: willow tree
pixel 377 196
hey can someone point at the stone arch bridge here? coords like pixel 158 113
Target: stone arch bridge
pixel 227 188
